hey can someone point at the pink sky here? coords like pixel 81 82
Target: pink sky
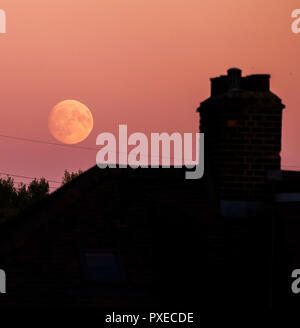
pixel 142 63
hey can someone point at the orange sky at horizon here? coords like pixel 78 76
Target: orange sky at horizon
pixel 142 63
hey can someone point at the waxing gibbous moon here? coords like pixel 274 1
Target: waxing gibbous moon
pixel 70 121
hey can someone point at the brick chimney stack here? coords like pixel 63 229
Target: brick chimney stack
pixel 242 125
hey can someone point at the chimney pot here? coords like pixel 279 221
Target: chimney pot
pixel 234 75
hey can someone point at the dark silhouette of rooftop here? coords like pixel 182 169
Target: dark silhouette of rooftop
pixel 144 238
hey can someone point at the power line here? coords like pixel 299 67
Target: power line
pixel 294 166
pixel 26 177
pixel 20 180
pixel 46 142
pixel 79 147
pixel 73 146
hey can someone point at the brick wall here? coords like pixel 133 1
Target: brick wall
pixel 242 126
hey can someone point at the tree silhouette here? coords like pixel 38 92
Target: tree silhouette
pixel 15 199
pixel 70 176
pixel 38 189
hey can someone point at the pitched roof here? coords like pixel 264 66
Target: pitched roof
pixel 109 193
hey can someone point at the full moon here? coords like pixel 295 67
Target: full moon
pixel 70 122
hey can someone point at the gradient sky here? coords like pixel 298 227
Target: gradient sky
pixel 146 63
